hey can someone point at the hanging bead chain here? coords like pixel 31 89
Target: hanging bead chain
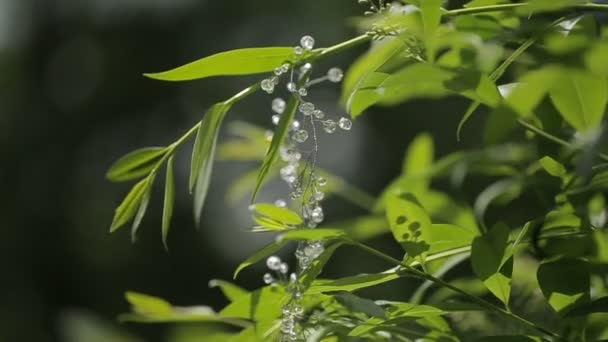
pixel 300 174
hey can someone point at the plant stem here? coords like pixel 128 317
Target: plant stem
pixel 506 7
pixel 445 284
pixel 349 44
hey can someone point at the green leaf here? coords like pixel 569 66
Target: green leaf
pixel 409 223
pixel 312 234
pixel 420 155
pixel 261 254
pixel 398 309
pixel 316 267
pixel 529 91
pixel 546 5
pixel 352 283
pixel 594 306
pixel 268 224
pixel 235 62
pixel 136 164
pixel 562 295
pixel 168 202
pixel 231 291
pixel 146 304
pixel 143 207
pixel 431 18
pixel 445 237
pixel 552 166
pixel 581 98
pixel 275 145
pixel 509 338
pixel 492 261
pixel 265 303
pixel 203 155
pixel 358 304
pixel 275 213
pixel 129 206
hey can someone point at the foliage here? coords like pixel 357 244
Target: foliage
pixel 537 67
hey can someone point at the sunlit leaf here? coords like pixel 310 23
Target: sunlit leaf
pixel 312 234
pixel 278 214
pixel 235 62
pixel 129 206
pixel 231 291
pixel 351 283
pixel 552 166
pixel 135 164
pixel 409 223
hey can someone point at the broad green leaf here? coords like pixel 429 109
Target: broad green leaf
pixel 265 303
pixel 136 164
pixel 581 98
pixel 275 213
pixel 492 261
pixel 235 62
pixel 352 283
pixel 420 155
pixel 431 18
pixel 145 304
pixel 261 254
pixel 562 295
pixel 143 207
pixel 358 304
pixel 168 202
pixel 552 166
pixel 409 223
pixel 531 89
pixel 203 154
pixel 275 145
pixel 444 237
pixel 312 234
pixel 129 206
pixel 231 291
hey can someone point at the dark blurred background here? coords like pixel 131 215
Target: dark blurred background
pixel 73 100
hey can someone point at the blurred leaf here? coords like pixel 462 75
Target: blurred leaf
pixel 581 98
pixel 268 224
pixel 262 304
pixel 203 154
pixel 312 234
pixel 136 164
pixel 562 295
pixel 129 206
pixel 595 58
pixel 398 309
pixel 410 224
pixel 194 333
pixel 492 261
pixel 81 326
pixel 169 201
pixel 316 267
pixel 530 91
pixel 235 62
pixel 444 237
pixel 594 306
pixel 275 146
pixel 553 167
pixel 431 18
pixel 146 304
pixel 261 254
pixel 275 213
pixel 546 5
pixel 231 291
pixel 420 155
pixel 509 338
pixel 143 207
pixel 364 227
pixel 358 304
pixel 351 283
pixel 504 190
pixel 480 3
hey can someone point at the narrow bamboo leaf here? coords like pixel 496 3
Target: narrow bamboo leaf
pixel 261 254
pixel 312 234
pixel 275 146
pixel 270 224
pixel 235 62
pixel 283 215
pixel 581 98
pixel 352 283
pixel 492 261
pixel 552 166
pixel 142 303
pixel 562 295
pixel 143 207
pixel 399 309
pixel 316 267
pixel 203 155
pixel 129 206
pixel 409 223
pixel 168 202
pixel 358 304
pixel 135 164
pixel 231 291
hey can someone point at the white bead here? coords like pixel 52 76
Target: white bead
pixel 307 42
pixel 335 75
pixel 302 91
pixel 273 262
pixel 306 108
pixel 300 136
pixel 295 124
pixel 280 203
pixel 275 119
pixel 268 278
pixel 319 114
pixel 298 50
pixel 278 105
pixel 293 277
pixel 329 126
pixel 268 86
pixel 291 86
pixel 345 124
pixel 285 67
pixel 251 207
pixel 284 268
pixel 319 195
pixel 317 215
pixel 305 68
pixel 321 181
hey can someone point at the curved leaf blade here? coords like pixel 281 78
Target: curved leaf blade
pixel 129 206
pixel 135 164
pixel 143 207
pixel 168 202
pixel 260 255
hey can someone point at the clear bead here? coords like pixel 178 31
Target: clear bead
pixel 293 277
pixel 305 68
pixel 273 263
pixel 295 124
pixel 307 42
pixel 319 114
pixel 275 119
pixel 298 50
pixel 298 310
pixel 300 136
pixel 306 108
pixel 286 310
pixel 268 278
pixel 329 126
pixel 302 91
pixel 292 86
pixel 268 86
pixel 285 67
pixel 335 75
pixel 284 268
pixel 278 105
pixel 345 124
pixel 278 71
pixel 321 181
pixel 269 135
pixel 280 203
pixel 317 215
pixel 298 295
pixel 319 195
